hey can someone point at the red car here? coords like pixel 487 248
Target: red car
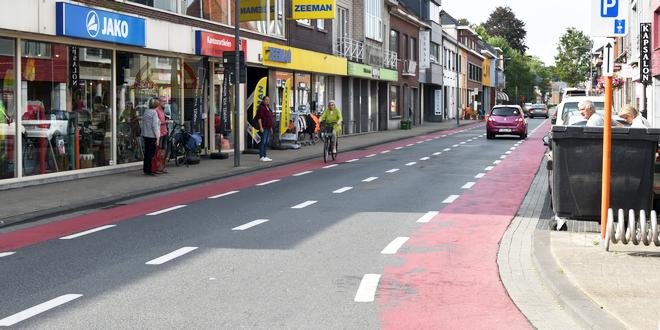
pixel 506 120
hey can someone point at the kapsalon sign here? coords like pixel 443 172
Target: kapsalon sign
pixel 95 24
pixel 313 9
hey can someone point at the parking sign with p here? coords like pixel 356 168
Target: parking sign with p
pixel 609 8
pixel 609 18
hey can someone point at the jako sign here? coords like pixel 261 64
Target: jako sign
pixel 313 9
pixel 95 24
pixel 645 53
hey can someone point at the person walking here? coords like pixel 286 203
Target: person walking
pixel 162 144
pixel 264 119
pixel 150 134
pixel 632 117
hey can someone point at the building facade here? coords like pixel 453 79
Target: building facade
pixel 471 42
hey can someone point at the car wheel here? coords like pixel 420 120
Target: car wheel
pixel 489 136
pixel 523 136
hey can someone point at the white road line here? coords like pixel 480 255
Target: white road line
pixel 503 156
pixel 463 142
pixel 384 152
pixel 302 173
pixel 395 245
pixel 512 148
pixel 267 182
pixel 425 158
pixel 455 146
pixel 250 224
pixel 370 179
pixel 427 217
pixel 87 232
pixel 224 194
pixel 411 163
pixel 480 175
pixel 342 190
pixel 172 255
pixel 331 166
pixel 367 290
pixel 303 205
pixel 447 149
pixel 167 210
pixel 508 152
pixel 32 311
pixel 392 170
pixel 369 156
pixel 489 168
pixel 437 153
pixel 497 162
pixel 428 140
pixel 6 254
pixel 468 185
pixel 398 148
pixel 443 136
pixel 418 142
pixel 410 145
pixel 352 160
pixel 450 199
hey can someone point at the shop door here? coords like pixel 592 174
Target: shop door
pixel 373 113
pixel 364 106
pixel 382 106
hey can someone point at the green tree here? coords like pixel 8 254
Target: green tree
pixel 503 22
pixel 463 22
pixel 573 59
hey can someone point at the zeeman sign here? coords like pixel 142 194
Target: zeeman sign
pixel 257 10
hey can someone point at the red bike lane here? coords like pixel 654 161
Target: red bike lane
pixel 448 278
pixel 14 240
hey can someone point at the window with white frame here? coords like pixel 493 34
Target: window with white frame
pixel 434 12
pixel 373 19
pixel 320 24
pixel 435 52
pixel 306 22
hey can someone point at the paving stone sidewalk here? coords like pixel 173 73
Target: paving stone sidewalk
pixel 47 199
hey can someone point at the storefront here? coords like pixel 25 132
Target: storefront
pixel 366 93
pixel 73 96
pixel 312 78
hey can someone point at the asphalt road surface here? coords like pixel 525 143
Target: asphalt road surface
pixel 302 246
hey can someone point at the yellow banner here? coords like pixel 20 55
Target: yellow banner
pixel 291 58
pixel 256 10
pixel 313 9
pixel 285 117
pixel 257 96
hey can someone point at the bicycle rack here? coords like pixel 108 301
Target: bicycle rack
pixel 632 231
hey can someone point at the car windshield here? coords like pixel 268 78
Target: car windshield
pixel 505 112
pixel 571 110
pixel 538 106
pixel 576 93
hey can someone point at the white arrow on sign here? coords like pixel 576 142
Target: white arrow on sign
pixel 608 68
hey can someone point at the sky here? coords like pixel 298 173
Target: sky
pixel 545 21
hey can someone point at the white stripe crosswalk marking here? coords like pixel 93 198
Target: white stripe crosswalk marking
pixel 250 224
pixel 172 255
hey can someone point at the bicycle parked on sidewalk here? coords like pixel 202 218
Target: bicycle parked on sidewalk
pixel 182 146
pixel 327 131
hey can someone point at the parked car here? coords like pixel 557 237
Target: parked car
pixel 569 114
pixel 506 120
pixel 571 92
pixel 538 110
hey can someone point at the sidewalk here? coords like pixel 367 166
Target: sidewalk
pixel 52 199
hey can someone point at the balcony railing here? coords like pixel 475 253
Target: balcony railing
pixel 350 49
pixel 389 60
pixel 409 68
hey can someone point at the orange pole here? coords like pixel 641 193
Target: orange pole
pixel 607 157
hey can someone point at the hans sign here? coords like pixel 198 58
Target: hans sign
pixel 645 53
pixel 95 24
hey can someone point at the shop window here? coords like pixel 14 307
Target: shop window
pixel 319 97
pixel 222 123
pixel 395 111
pixel 66 107
pixel 169 5
pixel 302 91
pixel 140 78
pixel 8 132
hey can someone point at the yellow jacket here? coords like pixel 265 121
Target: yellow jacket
pixel 334 117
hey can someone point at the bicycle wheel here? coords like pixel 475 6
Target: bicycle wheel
pixel 326 145
pixel 334 154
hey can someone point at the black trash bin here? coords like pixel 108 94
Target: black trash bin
pixel 577 153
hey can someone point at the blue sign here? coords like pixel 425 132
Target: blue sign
pixel 620 26
pixel 279 55
pixel 95 24
pixel 609 8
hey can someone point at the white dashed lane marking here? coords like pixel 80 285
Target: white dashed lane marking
pixel 6 254
pixel 352 160
pixel 38 309
pixel 342 190
pixel 167 210
pixel 370 179
pixel 369 156
pixel 385 151
pixel 450 199
pixel 302 173
pixel 395 245
pixel 489 168
pixel 87 232
pixel 411 163
pixel 437 153
pixel 250 224
pixel 480 175
pixel 497 162
pixel 267 182
pixel 398 148
pixel 367 290
pixel 392 170
pixel 427 217
pixel 468 185
pixel 303 205
pixel 331 166
pixel 447 149
pixel 172 255
pixel 425 158
pixel 224 194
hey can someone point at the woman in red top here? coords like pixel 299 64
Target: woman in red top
pixel 264 120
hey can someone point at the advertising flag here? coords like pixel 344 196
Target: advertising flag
pixel 258 95
pixel 285 117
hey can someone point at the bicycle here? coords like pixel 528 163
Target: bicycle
pixel 326 136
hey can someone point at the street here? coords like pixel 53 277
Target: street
pixel 395 235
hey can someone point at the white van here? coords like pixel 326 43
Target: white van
pixel 570 92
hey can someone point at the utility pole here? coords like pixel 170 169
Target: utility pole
pixel 237 85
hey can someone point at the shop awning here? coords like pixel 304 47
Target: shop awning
pixel 501 96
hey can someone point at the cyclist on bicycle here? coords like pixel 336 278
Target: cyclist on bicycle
pixel 332 115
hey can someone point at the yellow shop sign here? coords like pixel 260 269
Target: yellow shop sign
pixel 291 58
pixel 313 9
pixel 256 10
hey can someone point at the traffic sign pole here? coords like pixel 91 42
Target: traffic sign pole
pixel 607 157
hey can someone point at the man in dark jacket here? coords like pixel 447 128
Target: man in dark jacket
pixel 264 119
